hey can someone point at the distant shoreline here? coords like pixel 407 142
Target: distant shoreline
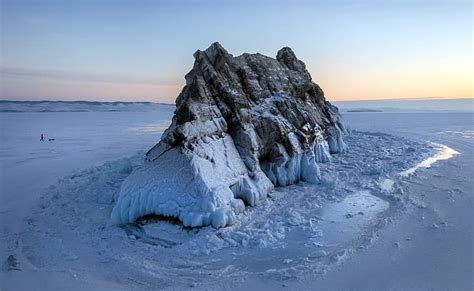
pixel 356 106
pixel 405 99
pixel 79 106
pixel 82 102
pixel 164 103
pixel 364 110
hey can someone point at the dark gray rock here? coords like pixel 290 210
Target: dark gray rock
pixel 263 103
pixel 245 124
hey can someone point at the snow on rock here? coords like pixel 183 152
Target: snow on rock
pixel 242 126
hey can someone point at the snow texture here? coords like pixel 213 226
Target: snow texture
pixel 64 240
pixel 313 227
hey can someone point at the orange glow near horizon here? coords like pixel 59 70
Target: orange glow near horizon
pixel 396 87
pixel 355 50
pixel 341 80
pixel 342 87
pixel 448 80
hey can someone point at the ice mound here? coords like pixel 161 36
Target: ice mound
pixel 242 126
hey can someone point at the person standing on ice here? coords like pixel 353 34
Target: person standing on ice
pixel 42 137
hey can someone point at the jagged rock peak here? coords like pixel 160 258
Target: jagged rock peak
pixel 242 126
pixel 287 57
pixel 212 52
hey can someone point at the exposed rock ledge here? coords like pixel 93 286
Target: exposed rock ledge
pixel 242 125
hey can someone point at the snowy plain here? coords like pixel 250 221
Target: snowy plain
pixel 364 226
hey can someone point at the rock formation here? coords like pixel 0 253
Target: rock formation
pixel 242 126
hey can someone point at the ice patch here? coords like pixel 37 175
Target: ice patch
pixel 465 134
pixel 151 128
pixel 343 220
pixel 444 153
pixel 387 185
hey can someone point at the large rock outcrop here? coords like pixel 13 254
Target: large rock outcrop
pixel 242 126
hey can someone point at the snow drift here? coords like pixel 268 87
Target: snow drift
pixel 242 126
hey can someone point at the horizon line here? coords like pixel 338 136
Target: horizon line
pixel 406 98
pixel 173 103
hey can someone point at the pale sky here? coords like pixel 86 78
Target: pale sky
pixel 139 50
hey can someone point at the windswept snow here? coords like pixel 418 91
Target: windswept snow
pixel 301 229
pixel 362 212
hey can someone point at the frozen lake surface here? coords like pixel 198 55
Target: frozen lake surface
pixel 365 220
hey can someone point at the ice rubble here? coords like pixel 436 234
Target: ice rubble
pixel 242 126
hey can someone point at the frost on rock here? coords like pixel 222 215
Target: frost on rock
pixel 242 126
pixel 321 149
pixel 335 140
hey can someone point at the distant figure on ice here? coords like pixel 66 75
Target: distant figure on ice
pixel 42 137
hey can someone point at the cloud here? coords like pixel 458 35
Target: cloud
pixel 51 74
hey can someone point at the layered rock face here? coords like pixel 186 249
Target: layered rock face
pixel 242 126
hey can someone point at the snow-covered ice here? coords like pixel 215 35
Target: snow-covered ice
pixel 57 234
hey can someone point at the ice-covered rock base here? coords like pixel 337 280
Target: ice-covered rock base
pixel 242 126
